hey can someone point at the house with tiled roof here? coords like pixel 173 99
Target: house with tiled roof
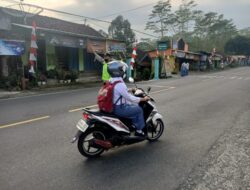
pixel 62 45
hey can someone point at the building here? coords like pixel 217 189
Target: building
pixel 173 55
pixel 62 45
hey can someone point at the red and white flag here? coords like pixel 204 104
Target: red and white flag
pixel 133 58
pixel 33 49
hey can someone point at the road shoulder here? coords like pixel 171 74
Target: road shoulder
pixel 227 164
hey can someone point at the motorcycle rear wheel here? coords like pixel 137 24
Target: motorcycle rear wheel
pixel 154 132
pixel 84 143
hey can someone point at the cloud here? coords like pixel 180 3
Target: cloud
pixel 52 3
pixel 238 10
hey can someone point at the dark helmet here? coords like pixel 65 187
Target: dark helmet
pixel 117 69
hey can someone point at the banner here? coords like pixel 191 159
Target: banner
pixel 116 46
pixel 65 41
pixel 9 47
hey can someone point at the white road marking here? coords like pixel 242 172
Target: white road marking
pixel 149 85
pixel 172 87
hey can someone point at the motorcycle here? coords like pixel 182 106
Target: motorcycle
pixel 99 131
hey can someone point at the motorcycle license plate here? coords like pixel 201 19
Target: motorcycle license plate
pixel 82 125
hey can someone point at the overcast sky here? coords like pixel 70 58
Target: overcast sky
pixel 237 10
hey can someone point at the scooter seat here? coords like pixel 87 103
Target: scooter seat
pixel 97 112
pixel 100 113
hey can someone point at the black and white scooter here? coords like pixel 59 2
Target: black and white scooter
pixel 98 131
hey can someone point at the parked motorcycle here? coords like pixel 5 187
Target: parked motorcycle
pixel 98 131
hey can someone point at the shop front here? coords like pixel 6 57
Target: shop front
pixel 11 67
pixel 64 52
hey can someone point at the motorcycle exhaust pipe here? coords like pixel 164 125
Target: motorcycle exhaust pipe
pixel 102 144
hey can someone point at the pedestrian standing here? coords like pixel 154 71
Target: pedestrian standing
pixel 107 58
pixel 187 68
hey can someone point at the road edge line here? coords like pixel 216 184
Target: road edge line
pixel 24 122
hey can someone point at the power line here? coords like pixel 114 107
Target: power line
pixel 129 10
pixel 90 18
pixel 145 33
pixel 81 16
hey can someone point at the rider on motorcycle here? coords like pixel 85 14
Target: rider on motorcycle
pixel 124 102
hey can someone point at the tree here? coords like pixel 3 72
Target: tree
pixel 120 29
pixel 238 46
pixel 245 32
pixel 183 16
pixel 103 33
pixel 147 45
pixel 212 30
pixel 161 18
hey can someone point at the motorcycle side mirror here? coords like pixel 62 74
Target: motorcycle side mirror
pixel 149 89
pixel 131 80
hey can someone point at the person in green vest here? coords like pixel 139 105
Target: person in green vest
pixel 107 58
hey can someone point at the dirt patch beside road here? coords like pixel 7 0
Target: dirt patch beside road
pixel 227 165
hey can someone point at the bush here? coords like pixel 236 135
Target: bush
pixel 61 74
pixel 3 81
pixel 146 74
pixel 74 75
pixel 67 75
pixel 9 82
pixel 52 74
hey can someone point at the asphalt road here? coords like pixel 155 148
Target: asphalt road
pixel 35 134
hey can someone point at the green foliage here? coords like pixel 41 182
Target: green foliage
pixel 146 46
pixel 61 74
pixel 202 31
pixel 68 75
pixel 120 29
pixel 74 75
pixel 41 77
pixel 146 74
pixel 52 74
pixel 240 45
pixel 9 82
pixel 183 16
pixel 211 31
pixel 245 32
pixel 161 18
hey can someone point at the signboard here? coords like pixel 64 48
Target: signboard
pixel 65 41
pixel 174 44
pixel 180 54
pixel 97 46
pixel 162 45
pixel 116 47
pixel 9 47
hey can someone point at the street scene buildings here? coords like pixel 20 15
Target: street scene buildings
pixel 65 52
pixel 183 74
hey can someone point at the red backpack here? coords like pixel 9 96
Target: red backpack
pixel 105 97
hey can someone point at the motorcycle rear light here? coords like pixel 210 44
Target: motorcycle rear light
pixel 85 116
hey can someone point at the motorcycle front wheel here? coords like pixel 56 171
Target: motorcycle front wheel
pixel 154 131
pixel 85 143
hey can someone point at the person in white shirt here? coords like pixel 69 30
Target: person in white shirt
pixel 122 98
